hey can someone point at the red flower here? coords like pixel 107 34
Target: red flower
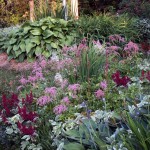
pixel 26 115
pixel 28 99
pixel 26 130
pixel 120 81
pixel 146 75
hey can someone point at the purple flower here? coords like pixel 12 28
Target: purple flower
pixel 23 81
pixel 43 63
pixel 66 100
pixel 99 94
pixel 103 85
pixel 52 91
pixel 43 100
pixel 131 47
pixel 32 78
pixel 74 87
pixel 59 109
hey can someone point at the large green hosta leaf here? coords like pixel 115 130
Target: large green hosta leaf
pixel 36 31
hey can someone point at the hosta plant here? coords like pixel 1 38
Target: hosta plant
pixel 38 38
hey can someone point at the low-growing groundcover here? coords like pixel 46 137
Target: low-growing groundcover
pixel 74 102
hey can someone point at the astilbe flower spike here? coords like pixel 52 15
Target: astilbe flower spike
pixel 120 81
pixel 26 116
pixel 99 94
pixel 26 130
pixel 59 109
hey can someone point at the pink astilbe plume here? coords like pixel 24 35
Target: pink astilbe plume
pixel 59 109
pixel 103 85
pixel 43 100
pixel 65 100
pixel 52 91
pixel 99 94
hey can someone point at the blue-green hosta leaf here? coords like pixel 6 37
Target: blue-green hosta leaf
pixel 12 41
pixel 26 29
pixel 74 146
pixel 36 31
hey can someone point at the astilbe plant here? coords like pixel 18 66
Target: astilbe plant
pixel 18 116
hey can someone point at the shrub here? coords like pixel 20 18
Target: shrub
pixel 103 25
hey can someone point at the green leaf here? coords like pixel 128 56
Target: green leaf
pixel 73 146
pixel 29 46
pixel 9 49
pixel 47 33
pixel 38 51
pixel 36 31
pixel 21 57
pixel 54 45
pixel 44 27
pixel 18 52
pixel 15 47
pixel 36 40
pixel 12 41
pixel 46 54
pixel 22 46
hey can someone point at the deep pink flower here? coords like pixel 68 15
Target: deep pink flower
pixel 120 81
pixel 43 63
pixel 59 109
pixel 99 94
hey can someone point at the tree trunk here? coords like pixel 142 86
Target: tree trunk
pixel 32 15
pixel 74 9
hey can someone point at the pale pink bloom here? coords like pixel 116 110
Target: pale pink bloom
pixel 99 94
pixel 66 100
pixel 52 91
pixel 59 109
pixel 103 85
pixel 39 75
pixel 43 100
pixel 74 87
pixel 23 81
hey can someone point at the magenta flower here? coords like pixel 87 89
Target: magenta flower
pixel 23 81
pixel 103 85
pixel 74 87
pixel 52 91
pixel 59 109
pixel 43 100
pixel 120 81
pixel 131 48
pixel 99 94
pixel 66 100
